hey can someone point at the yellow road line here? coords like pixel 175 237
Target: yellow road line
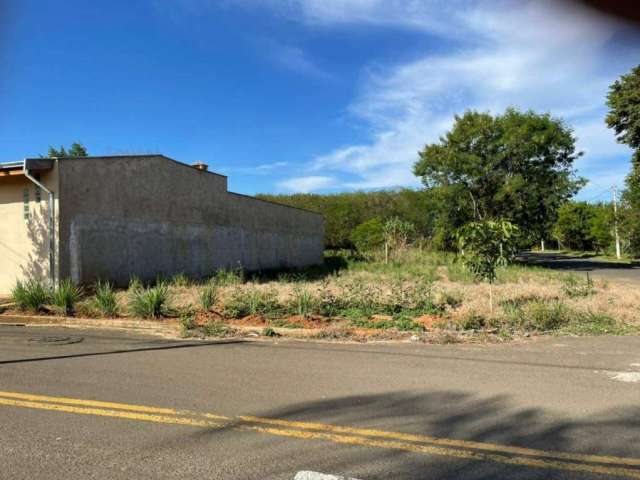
pixel 449 452
pixel 446 441
pixel 112 405
pixel 145 417
pixel 354 436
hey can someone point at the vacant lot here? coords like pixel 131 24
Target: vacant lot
pixel 426 295
pixel 414 292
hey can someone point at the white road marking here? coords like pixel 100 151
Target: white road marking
pixel 306 475
pixel 627 377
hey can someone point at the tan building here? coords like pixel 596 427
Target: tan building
pixel 112 217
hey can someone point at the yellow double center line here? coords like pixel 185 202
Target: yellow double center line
pixel 421 444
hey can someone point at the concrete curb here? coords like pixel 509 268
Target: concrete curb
pixel 170 326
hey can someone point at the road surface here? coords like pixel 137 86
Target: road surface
pixel 104 404
pixel 597 268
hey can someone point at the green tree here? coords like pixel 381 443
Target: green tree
pixel 517 167
pixel 343 212
pixel 573 229
pixel 75 150
pixel 368 236
pixel 623 101
pixel 485 246
pixel 601 227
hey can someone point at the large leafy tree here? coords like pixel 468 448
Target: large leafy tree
pixel 623 101
pixel 517 167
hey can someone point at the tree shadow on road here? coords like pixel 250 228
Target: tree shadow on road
pixel 446 415
pixel 557 261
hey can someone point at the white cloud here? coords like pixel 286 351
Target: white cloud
pixel 293 58
pixel 307 184
pixel 535 54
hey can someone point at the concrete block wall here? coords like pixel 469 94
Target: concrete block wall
pixel 145 215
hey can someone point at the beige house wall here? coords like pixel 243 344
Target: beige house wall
pixel 24 244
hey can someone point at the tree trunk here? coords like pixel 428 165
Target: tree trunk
pixel 542 245
pixel 491 298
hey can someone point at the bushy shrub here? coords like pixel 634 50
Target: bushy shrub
pixel 30 295
pixel 150 302
pixel 105 301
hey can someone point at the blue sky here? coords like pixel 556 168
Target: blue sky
pixel 301 95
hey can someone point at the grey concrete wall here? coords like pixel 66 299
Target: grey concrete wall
pixel 146 215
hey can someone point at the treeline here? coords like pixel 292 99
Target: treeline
pixel 343 212
pixel 351 216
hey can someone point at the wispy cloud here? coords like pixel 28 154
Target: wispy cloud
pixel 541 55
pixel 293 59
pixel 307 184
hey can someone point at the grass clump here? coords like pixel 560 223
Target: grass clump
pixel 215 328
pixel 303 302
pixel 150 302
pixel 226 277
pixel 269 332
pixel 208 296
pixel 30 295
pixel 187 323
pixel 251 301
pixel 65 297
pixel 574 287
pixel 105 301
pixel 135 284
pixel 180 280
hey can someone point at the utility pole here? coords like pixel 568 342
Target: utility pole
pixel 615 220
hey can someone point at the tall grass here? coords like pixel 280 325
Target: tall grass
pixel 65 296
pixel 30 295
pixel 251 301
pixel 151 302
pixel 208 296
pixel 105 301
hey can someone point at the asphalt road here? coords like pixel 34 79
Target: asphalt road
pixel 597 268
pixel 102 404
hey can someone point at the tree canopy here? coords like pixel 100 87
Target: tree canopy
pixel 623 101
pixel 75 150
pixel 517 167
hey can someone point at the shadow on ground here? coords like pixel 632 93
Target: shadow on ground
pixel 451 415
pixel 559 261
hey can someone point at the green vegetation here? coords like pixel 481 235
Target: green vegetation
pixel 251 301
pixel 65 296
pixel 180 280
pixel 30 295
pixel 105 301
pixel 151 302
pixel 208 296
pixel 623 101
pixel 485 246
pixel 75 150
